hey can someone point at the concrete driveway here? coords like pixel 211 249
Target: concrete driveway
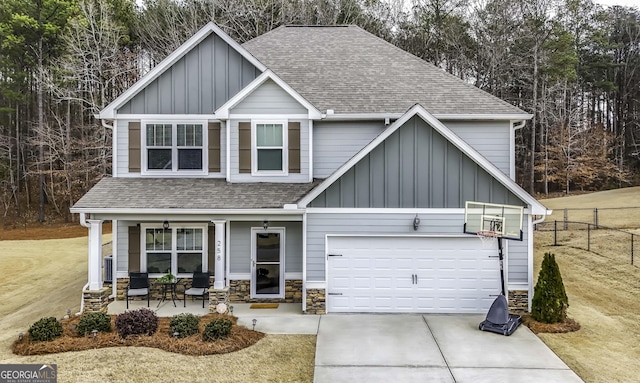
pixel 430 348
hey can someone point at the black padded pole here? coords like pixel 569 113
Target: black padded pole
pixel 501 258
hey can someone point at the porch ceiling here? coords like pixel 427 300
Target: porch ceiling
pixel 189 193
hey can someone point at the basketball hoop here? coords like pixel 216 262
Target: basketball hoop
pixel 488 238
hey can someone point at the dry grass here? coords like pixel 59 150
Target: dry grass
pixel 47 277
pixel 620 198
pixel 604 297
pixel 240 337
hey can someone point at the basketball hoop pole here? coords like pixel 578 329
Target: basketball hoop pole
pixel 501 258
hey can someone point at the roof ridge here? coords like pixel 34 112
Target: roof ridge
pixel 258 38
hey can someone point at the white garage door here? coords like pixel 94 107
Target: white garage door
pixel 411 274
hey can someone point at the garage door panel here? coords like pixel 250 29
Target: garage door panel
pixel 376 274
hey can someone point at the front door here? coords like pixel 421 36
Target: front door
pixel 267 263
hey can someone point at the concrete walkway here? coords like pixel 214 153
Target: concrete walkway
pixel 430 348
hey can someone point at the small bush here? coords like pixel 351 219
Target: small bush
pixel 94 321
pixel 45 329
pixel 218 328
pixel 184 324
pixel 550 299
pixel 137 322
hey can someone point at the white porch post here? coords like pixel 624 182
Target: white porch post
pixel 220 241
pixel 95 254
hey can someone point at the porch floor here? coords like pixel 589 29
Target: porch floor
pixel 286 319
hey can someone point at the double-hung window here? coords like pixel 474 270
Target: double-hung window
pixel 174 148
pixel 270 148
pixel 180 250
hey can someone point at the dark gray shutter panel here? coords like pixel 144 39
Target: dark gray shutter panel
pixel 214 147
pixel 135 146
pixel 244 147
pixel 134 249
pixel 294 147
pixel 211 249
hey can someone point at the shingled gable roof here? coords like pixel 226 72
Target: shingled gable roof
pixel 223 111
pixel 351 71
pixel 535 207
pixel 193 195
pixel 109 112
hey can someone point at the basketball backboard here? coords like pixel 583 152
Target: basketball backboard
pixel 503 221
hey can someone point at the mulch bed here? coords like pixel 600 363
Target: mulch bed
pixel 569 325
pixel 240 338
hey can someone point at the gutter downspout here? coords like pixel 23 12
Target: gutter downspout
pixel 530 251
pixel 83 223
pixel 104 124
pixel 520 125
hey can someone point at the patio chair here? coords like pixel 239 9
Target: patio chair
pixel 199 287
pixel 138 286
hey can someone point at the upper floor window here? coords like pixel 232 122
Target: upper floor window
pixel 174 147
pixel 269 148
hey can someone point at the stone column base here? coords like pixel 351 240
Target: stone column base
pixel 218 296
pixel 518 301
pixel 96 300
pixel 316 301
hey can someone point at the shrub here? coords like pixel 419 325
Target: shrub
pixel 137 322
pixel 184 324
pixel 218 328
pixel 550 299
pixel 45 329
pixel 94 321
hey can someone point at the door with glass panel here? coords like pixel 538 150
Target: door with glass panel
pixel 267 263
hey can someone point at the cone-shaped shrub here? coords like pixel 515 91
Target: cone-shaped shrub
pixel 550 300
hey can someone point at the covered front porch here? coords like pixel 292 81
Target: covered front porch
pixel 248 237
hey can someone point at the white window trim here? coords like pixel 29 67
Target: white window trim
pixel 282 232
pixel 174 148
pixel 174 245
pixel 285 149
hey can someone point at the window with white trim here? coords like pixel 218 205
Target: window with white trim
pixel 174 147
pixel 269 147
pixel 180 250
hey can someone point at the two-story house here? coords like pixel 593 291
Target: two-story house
pixel 265 162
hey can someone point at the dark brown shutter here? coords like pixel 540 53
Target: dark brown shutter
pixel 211 250
pixel 244 147
pixel 134 147
pixel 214 147
pixel 294 147
pixel 134 249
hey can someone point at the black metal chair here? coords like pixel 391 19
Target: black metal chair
pixel 199 287
pixel 138 286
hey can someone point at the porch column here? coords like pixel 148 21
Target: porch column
pixel 218 284
pixel 95 254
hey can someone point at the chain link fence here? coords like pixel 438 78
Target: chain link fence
pixel 621 244
pixel 616 217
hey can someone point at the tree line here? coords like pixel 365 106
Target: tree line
pixel 572 64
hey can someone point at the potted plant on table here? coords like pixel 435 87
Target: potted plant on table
pixel 167 278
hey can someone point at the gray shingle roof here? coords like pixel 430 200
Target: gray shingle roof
pixel 189 193
pixel 349 70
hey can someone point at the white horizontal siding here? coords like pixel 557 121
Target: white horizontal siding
pixel 303 176
pixel 319 225
pixel 269 98
pixel 334 143
pixel 122 256
pixel 122 148
pixel 489 138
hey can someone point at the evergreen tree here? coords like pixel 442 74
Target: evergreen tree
pixel 550 300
